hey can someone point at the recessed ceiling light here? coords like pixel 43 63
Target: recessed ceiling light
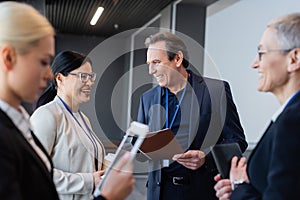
pixel 97 15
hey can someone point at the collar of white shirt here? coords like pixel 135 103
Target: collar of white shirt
pixel 282 107
pixel 21 121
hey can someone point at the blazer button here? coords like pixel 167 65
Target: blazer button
pixel 158 184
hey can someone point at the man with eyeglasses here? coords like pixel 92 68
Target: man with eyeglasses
pixel 273 169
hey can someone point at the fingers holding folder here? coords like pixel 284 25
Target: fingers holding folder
pixel 160 145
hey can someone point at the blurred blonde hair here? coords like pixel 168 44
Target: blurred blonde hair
pixel 22 26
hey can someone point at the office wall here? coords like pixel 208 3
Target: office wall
pixel 232 36
pixel 80 43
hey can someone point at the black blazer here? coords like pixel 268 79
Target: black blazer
pixel 274 165
pixel 23 175
pixel 213 113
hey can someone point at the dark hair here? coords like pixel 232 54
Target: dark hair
pixel 173 45
pixel 63 63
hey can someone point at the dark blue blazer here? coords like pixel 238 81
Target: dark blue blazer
pixel 274 165
pixel 214 114
pixel 23 175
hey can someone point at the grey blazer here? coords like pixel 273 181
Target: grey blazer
pixel 70 148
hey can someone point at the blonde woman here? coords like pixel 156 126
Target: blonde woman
pixel 26 51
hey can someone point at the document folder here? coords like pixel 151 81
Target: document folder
pixel 161 145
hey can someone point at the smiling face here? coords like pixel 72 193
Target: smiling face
pixel 74 90
pixel 163 70
pixel 273 65
pixel 30 72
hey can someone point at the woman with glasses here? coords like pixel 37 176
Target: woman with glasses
pixel 272 171
pixel 65 131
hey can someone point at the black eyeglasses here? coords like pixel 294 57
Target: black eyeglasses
pixel 260 52
pixel 84 77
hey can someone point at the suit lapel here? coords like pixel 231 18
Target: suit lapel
pixel 293 101
pixel 196 100
pixel 216 99
pixel 260 141
pixel 25 145
pixel 34 155
pixel 39 144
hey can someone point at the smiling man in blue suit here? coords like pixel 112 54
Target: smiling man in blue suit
pixel 199 111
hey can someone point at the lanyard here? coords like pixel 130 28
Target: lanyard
pixel 90 135
pixel 177 107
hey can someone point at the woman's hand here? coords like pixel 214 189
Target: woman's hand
pixel 238 169
pixel 97 177
pixel 237 172
pixel 223 188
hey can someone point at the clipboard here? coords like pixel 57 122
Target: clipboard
pixel 160 145
pixel 222 154
pixel 135 129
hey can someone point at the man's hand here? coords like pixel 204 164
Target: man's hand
pixel 192 159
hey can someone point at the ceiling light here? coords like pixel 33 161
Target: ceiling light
pixel 96 15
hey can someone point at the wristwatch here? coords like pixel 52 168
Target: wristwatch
pixel 237 182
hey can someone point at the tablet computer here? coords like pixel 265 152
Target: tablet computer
pixel 222 154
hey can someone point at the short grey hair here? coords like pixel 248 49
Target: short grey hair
pixel 288 30
pixel 173 45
